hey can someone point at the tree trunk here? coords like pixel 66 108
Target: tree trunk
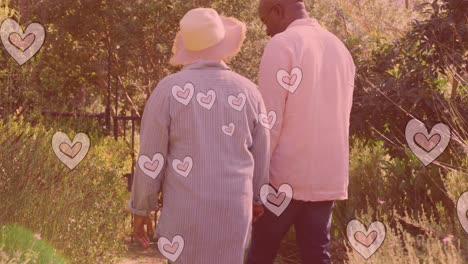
pixel 24 9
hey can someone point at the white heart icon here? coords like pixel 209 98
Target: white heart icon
pixel 290 81
pixel 183 95
pixel 237 102
pixel 183 168
pixel 276 202
pixel 365 241
pixel 269 120
pixel 462 210
pixel 151 166
pixel 427 146
pixel 171 250
pixel 22 46
pixel 70 153
pixel 207 100
pixel 229 130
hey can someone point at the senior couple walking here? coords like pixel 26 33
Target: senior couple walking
pixel 239 165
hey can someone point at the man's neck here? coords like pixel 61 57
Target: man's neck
pixel 299 14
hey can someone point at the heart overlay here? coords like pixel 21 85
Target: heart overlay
pixel 268 121
pixel 171 249
pixel 183 95
pixel 427 146
pixel 425 143
pixel 290 80
pixel 365 241
pixel 151 166
pixel 207 100
pixel 229 130
pixel 462 210
pixel 276 201
pixel 68 152
pixel 21 45
pixel 237 102
pixel 183 168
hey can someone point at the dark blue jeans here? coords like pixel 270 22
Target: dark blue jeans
pixel 311 220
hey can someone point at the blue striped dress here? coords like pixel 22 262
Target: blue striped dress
pixel 202 145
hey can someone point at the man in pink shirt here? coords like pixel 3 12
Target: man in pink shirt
pixel 307 82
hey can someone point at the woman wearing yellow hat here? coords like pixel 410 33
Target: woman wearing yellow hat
pixel 203 145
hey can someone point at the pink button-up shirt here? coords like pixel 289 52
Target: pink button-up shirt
pixel 307 82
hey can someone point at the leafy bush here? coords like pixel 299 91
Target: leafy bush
pixel 420 74
pixel 20 246
pixel 80 212
pixel 416 204
pixel 363 19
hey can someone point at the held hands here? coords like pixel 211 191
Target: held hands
pixel 258 211
pixel 139 225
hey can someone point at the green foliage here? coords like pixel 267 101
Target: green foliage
pixel 404 70
pixel 363 19
pixel 406 78
pixel 21 246
pixel 416 204
pixel 72 65
pixel 80 212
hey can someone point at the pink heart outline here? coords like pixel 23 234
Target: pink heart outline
pixel 22 43
pixel 425 143
pixel 290 80
pixel 184 166
pixel 366 240
pixel 70 151
pixel 268 120
pixel 184 94
pixel 228 129
pixel 237 101
pixel 171 248
pixel 207 99
pixel 276 199
pixel 151 166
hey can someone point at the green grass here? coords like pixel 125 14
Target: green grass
pixel 19 245
pixel 80 212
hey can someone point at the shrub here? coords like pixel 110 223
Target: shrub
pixel 19 245
pixel 417 205
pixel 81 212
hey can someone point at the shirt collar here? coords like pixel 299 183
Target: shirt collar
pixel 205 64
pixel 304 22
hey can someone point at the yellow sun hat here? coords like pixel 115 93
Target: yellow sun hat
pixel 205 35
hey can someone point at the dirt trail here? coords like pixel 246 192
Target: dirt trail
pixel 137 255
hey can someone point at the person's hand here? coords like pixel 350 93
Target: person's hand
pixel 258 211
pixel 139 231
